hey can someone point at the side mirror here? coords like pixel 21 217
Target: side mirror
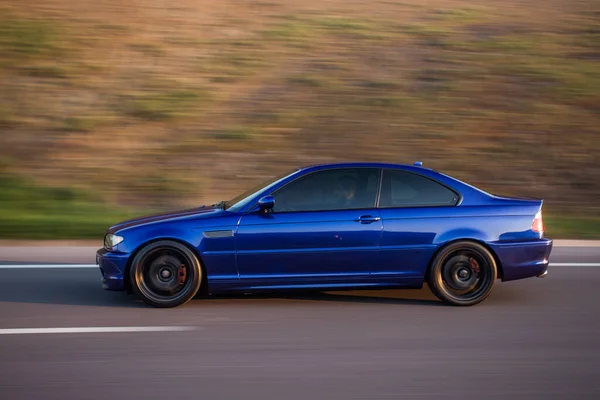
pixel 266 203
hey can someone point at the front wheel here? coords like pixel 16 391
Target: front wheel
pixel 463 274
pixel 165 274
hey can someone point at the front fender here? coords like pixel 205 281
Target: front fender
pixel 206 238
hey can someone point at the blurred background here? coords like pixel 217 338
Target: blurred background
pixel 113 108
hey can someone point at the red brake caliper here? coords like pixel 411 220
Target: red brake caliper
pixel 474 264
pixel 182 274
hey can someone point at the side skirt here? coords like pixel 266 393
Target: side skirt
pixel 261 286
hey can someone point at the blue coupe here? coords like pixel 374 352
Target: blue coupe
pixel 333 227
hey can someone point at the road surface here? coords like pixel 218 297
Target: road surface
pixel 531 339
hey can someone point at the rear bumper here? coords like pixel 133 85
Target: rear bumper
pixel 524 259
pixel 112 268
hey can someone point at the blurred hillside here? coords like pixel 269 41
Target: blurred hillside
pixel 110 107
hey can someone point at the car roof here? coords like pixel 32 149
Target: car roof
pixel 363 165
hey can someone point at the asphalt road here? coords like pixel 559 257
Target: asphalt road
pixel 531 339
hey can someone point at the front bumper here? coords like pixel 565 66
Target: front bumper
pixel 524 259
pixel 112 267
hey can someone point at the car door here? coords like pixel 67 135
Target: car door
pixel 324 229
pixel 415 209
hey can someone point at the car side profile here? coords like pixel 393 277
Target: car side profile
pixel 333 227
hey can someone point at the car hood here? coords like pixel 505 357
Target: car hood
pixel 190 212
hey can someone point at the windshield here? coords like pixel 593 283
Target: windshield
pixel 242 200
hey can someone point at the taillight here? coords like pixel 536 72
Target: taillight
pixel 538 223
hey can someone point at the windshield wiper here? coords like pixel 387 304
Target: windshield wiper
pixel 221 204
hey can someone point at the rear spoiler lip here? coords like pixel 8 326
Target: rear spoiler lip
pixel 537 199
pixel 518 201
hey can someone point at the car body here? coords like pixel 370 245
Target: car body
pixel 300 231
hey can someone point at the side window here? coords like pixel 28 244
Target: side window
pixel 406 189
pixel 334 189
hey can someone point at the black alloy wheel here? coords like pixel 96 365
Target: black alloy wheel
pixel 166 274
pixel 463 274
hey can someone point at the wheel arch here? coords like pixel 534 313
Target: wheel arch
pixel 126 279
pixel 465 239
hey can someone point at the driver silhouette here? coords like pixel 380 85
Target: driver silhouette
pixel 345 191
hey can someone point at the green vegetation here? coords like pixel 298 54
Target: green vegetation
pixel 6 116
pixel 308 80
pixel 28 211
pixel 291 28
pixel 236 133
pixel 22 39
pixel 572 227
pixel 80 124
pixel 233 66
pixel 358 28
pixel 46 71
pixel 159 106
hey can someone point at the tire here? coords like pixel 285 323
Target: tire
pixel 165 274
pixel 463 274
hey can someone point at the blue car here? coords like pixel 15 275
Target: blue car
pixel 333 227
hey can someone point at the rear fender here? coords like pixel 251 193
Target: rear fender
pixel 462 234
pixel 465 234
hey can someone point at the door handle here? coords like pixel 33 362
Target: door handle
pixel 367 219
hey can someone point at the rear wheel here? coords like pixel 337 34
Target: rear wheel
pixel 463 274
pixel 166 274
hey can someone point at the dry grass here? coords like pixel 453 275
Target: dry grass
pixel 157 103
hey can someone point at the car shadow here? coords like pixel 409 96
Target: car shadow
pixel 422 297
pixel 96 297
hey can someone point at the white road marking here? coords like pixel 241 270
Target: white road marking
pixel 574 264
pixel 112 329
pixel 42 266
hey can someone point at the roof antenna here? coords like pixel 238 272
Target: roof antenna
pixel 418 163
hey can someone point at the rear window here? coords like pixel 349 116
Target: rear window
pixel 406 189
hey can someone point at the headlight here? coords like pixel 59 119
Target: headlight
pixel 111 240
